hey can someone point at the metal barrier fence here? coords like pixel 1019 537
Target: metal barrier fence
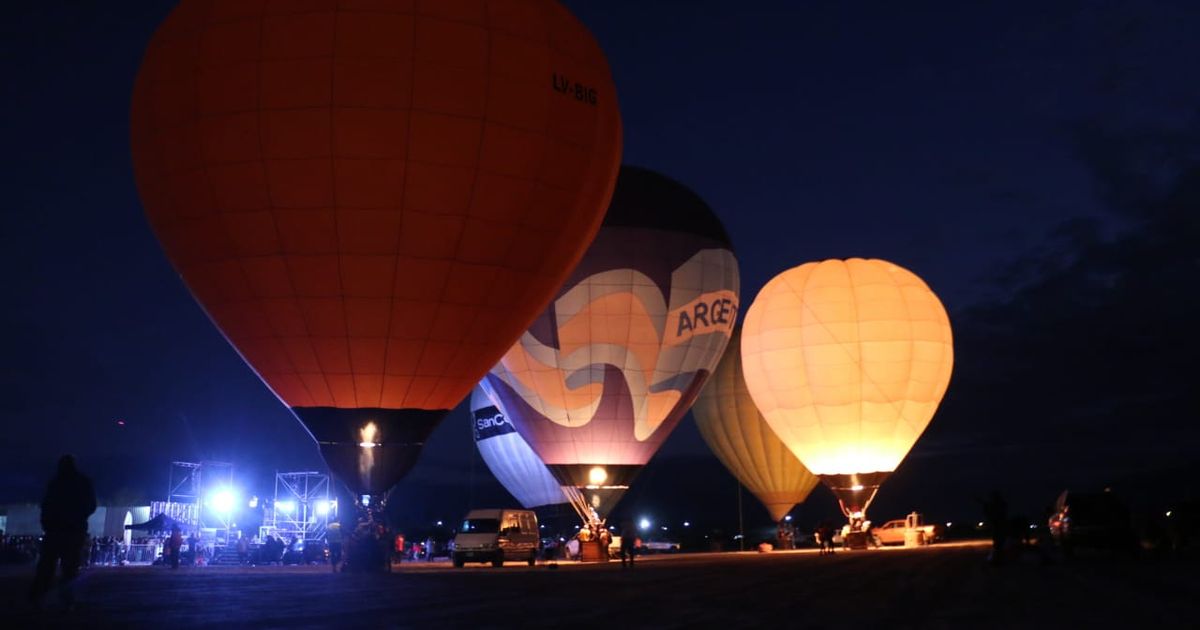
pixel 143 554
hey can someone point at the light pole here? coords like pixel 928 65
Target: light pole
pixel 741 529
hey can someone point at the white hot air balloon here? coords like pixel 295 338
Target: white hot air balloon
pixel 509 457
pixel 847 360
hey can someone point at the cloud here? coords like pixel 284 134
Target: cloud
pixel 1092 351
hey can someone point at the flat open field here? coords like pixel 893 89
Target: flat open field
pixel 947 585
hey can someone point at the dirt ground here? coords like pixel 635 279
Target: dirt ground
pixel 941 586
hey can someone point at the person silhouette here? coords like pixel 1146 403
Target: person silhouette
pixel 995 510
pixel 69 501
pixel 629 536
pixel 174 544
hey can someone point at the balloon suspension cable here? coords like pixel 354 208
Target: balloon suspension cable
pixel 582 508
pixel 857 512
pixel 855 492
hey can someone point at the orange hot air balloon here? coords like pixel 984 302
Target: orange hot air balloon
pixel 848 360
pixel 739 436
pixel 373 200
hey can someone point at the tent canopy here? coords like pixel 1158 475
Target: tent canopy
pixel 160 523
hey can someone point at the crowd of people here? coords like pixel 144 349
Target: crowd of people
pixel 18 549
pixel 95 551
pixel 106 551
pixel 197 553
pixel 418 550
pixel 785 536
pixel 372 546
pixel 250 551
pixel 369 548
pixel 173 549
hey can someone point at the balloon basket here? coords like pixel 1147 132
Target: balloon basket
pixel 856 540
pixel 593 551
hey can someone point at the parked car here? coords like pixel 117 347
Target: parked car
pixel 892 532
pixel 659 546
pixel 497 535
pixel 1098 520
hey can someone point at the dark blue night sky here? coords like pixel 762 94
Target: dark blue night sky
pixel 1037 163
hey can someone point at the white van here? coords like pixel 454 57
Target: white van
pixel 495 536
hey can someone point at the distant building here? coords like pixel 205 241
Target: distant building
pixel 24 519
pixel 21 519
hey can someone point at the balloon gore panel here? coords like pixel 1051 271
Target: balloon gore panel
pixel 373 200
pixel 739 436
pixel 509 457
pixel 607 371
pixel 847 360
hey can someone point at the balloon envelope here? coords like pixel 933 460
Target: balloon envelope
pixel 739 436
pixel 606 372
pixel 509 457
pixel 848 360
pixel 371 200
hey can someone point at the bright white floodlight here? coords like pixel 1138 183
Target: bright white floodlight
pixel 287 507
pixel 222 501
pixel 321 507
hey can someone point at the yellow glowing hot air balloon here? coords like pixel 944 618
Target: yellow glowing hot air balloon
pixel 739 436
pixel 848 360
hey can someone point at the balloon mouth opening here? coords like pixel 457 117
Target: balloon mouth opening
pixel 593 489
pixel 597 476
pixel 369 449
pixel 368 433
pixel 855 491
pixel 599 479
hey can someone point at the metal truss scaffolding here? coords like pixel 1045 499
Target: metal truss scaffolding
pixel 302 506
pixel 190 487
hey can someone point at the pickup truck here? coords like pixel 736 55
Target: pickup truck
pixel 892 532
pixel 654 546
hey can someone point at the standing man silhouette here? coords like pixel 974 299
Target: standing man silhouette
pixel 69 501
pixel 995 510
pixel 629 535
